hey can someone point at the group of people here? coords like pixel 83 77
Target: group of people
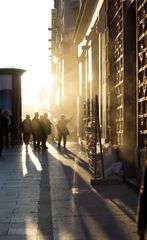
pixel 40 127
pixel 6 126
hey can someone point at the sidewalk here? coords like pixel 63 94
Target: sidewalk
pixel 47 196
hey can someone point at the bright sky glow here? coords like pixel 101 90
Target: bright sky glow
pixel 24 44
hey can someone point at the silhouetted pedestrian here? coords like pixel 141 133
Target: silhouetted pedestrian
pixel 142 206
pixel 62 130
pixel 1 133
pixel 7 128
pixel 42 133
pixel 26 130
pixel 46 127
pixel 36 131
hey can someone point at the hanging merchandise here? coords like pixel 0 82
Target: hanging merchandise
pixel 94 145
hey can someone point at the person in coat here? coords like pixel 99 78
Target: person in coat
pixel 62 130
pixel 26 130
pixel 142 206
pixel 46 129
pixel 36 131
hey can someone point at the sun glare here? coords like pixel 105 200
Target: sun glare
pixel 36 92
pixel 24 44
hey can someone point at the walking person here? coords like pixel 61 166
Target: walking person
pixel 142 206
pixel 62 130
pixel 26 130
pixel 1 133
pixel 46 129
pixel 42 134
pixel 36 131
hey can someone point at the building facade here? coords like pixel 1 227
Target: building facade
pixel 111 42
pixel 64 60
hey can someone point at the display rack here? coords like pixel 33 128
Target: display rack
pixel 94 145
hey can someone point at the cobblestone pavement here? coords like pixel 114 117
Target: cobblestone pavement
pixel 46 195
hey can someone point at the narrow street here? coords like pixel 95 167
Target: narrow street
pixel 46 195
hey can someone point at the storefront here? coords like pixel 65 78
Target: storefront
pixel 107 49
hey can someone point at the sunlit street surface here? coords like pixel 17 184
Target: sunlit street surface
pixel 46 195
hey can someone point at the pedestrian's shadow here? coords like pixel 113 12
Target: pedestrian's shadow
pixel 44 207
pixel 127 202
pixel 36 160
pixel 68 154
pixel 121 195
pixel 99 215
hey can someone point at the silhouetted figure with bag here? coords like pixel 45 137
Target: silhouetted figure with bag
pixel 62 130
pixel 142 206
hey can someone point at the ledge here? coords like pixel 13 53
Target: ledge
pixel 14 71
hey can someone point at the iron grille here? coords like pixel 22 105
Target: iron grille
pixel 142 77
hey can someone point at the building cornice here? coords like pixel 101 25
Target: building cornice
pixel 83 19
